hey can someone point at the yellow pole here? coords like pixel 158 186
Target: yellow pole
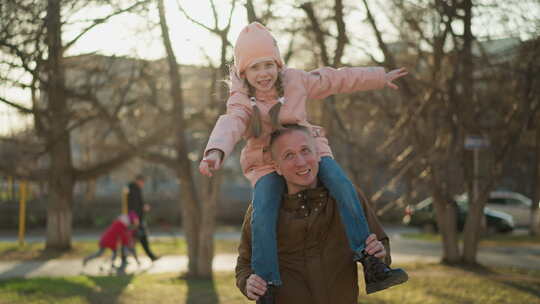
pixel 124 200
pixel 22 211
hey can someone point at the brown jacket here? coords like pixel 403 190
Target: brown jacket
pixel 315 260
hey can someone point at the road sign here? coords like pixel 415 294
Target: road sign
pixel 476 142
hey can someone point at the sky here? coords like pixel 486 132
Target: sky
pixel 130 35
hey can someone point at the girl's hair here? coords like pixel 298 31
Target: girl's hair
pixel 256 123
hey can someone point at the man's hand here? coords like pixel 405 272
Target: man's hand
pixel 211 162
pixel 255 287
pixel 375 247
pixel 393 75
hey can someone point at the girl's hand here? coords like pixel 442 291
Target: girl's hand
pixel 393 75
pixel 211 162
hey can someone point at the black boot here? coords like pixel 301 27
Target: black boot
pixel 269 296
pixel 378 276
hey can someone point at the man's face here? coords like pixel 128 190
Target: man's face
pixel 297 160
pixel 140 182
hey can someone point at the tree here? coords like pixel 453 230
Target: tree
pixel 448 97
pixel 198 207
pixel 32 44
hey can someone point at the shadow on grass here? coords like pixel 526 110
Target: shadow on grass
pixel 109 288
pixel 28 252
pixel 97 290
pixel 503 277
pixel 476 268
pixel 535 291
pixel 200 290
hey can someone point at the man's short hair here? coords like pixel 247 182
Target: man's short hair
pixel 139 177
pixel 286 129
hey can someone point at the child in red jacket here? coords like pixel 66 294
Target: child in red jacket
pixel 119 233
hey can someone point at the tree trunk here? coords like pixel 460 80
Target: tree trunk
pixel 446 212
pixel 58 139
pixel 209 198
pixel 191 212
pixel 190 222
pixel 471 234
pixel 475 215
pixel 473 227
pixel 534 228
pixel 59 216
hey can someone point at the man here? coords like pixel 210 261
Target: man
pixel 136 203
pixel 316 262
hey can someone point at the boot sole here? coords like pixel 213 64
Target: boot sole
pixel 391 281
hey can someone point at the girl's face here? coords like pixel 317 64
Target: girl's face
pixel 263 75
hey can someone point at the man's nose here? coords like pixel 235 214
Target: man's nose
pixel 300 161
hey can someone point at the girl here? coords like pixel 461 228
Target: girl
pixel 120 232
pixel 264 95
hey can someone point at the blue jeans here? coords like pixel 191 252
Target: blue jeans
pixel 267 197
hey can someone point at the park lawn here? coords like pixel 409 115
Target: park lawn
pixel 10 251
pixel 486 241
pixel 429 283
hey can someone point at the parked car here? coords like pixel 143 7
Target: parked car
pixel 423 215
pixel 513 203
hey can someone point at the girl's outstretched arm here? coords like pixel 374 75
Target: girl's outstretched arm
pixel 327 81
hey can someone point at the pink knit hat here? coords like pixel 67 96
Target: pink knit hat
pixel 254 44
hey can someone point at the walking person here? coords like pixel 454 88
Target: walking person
pixel 136 203
pixel 119 233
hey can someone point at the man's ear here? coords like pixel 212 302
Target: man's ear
pixel 276 167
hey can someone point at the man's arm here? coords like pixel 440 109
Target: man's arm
pixel 243 262
pixel 375 226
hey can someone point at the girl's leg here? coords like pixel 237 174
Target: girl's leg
pixel 267 197
pixel 94 255
pixel 350 209
pixel 113 257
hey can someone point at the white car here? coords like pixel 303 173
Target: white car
pixel 513 203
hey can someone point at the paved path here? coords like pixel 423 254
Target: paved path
pixel 403 250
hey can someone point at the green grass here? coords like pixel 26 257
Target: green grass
pixel 428 284
pixel 10 251
pixel 493 240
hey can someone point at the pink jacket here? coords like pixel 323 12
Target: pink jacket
pixel 299 86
